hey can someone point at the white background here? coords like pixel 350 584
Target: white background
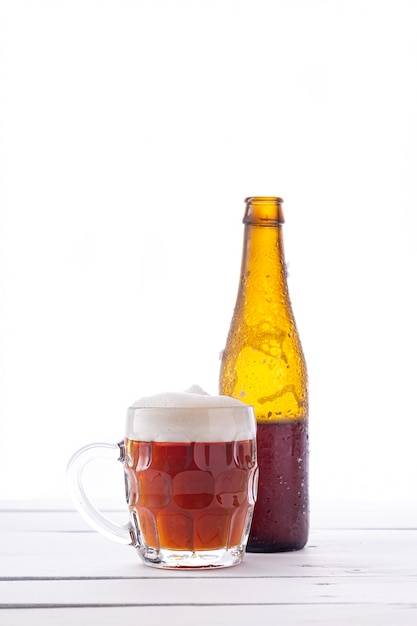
pixel 131 132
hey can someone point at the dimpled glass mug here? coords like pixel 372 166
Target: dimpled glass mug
pixel 191 474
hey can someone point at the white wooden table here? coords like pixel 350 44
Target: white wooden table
pixel 360 567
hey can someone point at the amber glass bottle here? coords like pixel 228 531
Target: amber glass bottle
pixel 263 364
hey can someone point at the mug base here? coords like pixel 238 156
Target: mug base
pixel 187 559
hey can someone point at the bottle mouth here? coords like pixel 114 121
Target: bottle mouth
pixel 264 211
pixel 266 199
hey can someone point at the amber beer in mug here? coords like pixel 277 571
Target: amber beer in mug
pixel 189 496
pixel 190 469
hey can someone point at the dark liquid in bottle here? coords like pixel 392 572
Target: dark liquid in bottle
pixel 280 520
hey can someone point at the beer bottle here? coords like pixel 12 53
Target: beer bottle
pixel 263 364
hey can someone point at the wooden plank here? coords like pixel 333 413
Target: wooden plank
pixel 287 615
pixel 329 553
pixel 325 514
pixel 205 592
pixel 54 521
pixel 356 514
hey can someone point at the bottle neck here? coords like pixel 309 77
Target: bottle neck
pixel 263 272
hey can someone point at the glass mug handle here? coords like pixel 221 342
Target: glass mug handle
pixel 76 465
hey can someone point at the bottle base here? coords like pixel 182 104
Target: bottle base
pixel 273 547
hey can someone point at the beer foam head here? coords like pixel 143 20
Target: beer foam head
pixel 191 415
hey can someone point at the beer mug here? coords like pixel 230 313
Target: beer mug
pixel 191 471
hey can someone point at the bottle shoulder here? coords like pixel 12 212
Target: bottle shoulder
pixel 264 365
